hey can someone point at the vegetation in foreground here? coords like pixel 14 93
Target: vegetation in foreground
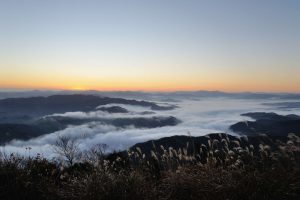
pixel 223 168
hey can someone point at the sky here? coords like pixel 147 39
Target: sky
pixel 157 45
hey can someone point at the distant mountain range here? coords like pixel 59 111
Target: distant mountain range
pixel 284 105
pixel 67 103
pixel 165 96
pixel 25 118
pixel 23 109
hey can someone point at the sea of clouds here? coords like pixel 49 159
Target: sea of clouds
pixel 198 117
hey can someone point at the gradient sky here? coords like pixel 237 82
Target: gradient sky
pixel 227 45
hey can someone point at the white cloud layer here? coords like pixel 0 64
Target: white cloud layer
pixel 199 117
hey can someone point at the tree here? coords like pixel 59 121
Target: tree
pixel 67 147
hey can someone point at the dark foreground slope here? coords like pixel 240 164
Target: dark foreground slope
pixel 225 167
pixel 194 145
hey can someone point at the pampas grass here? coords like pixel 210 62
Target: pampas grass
pixel 222 169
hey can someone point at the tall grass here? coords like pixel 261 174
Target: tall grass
pixel 222 168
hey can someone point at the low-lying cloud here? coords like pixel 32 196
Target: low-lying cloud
pixel 199 117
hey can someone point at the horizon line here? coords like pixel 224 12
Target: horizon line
pixel 141 91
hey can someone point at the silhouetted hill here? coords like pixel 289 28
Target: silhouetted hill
pixel 284 105
pixel 113 109
pixel 140 122
pixel 9 132
pixel 268 123
pixel 13 110
pixel 51 124
pixel 67 103
pixel 26 118
pixel 270 116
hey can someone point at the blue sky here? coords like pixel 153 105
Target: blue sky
pixel 150 45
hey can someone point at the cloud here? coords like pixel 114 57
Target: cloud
pixel 199 117
pixel 134 111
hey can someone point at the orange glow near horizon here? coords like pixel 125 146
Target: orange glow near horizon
pixel 170 47
pixel 134 79
pixel 118 84
pixel 150 87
